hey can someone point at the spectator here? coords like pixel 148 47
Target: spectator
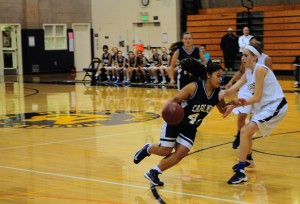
pixel 206 54
pixel 230 47
pixel 244 40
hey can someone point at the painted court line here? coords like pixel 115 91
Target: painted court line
pixel 74 140
pixel 120 184
pixel 87 138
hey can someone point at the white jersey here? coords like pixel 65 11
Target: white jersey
pixel 262 58
pixel 272 91
pixel 244 41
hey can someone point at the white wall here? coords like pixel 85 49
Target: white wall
pixel 118 20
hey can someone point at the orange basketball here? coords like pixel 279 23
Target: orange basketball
pixel 172 113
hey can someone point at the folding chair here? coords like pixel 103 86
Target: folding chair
pixel 92 69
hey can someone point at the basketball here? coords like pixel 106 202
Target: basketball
pixel 172 113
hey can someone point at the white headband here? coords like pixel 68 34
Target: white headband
pixel 253 50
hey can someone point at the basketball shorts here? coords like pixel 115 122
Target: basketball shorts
pixel 270 116
pixel 172 134
pixel 243 93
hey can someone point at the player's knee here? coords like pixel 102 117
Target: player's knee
pixel 165 151
pixel 179 155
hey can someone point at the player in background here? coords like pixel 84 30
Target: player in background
pixel 185 49
pixel 153 70
pixel 165 61
pixel 119 65
pixel 131 66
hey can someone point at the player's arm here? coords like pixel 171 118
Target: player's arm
pixel 159 61
pixel 184 94
pixel 268 62
pixel 237 75
pixel 172 67
pixel 220 105
pixel 203 60
pixel 259 85
pixel 110 59
pixel 169 60
pixel 236 86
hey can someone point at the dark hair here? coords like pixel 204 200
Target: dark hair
pixel 210 69
pixel 186 33
pixel 105 47
pixel 130 52
pixel 175 46
pixel 203 45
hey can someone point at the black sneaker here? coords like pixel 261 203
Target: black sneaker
pixel 238 177
pixel 236 142
pixel 152 175
pixel 249 164
pixel 141 154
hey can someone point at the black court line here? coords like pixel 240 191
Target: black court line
pixel 36 92
pixel 254 138
pixel 161 201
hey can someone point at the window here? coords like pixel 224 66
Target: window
pixel 55 36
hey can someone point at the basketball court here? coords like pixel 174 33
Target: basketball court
pixel 64 141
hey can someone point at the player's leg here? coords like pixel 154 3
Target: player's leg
pixel 240 123
pixel 162 72
pixel 154 74
pixel 245 146
pixel 183 146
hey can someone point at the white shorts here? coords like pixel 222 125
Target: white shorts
pixel 243 93
pixel 270 116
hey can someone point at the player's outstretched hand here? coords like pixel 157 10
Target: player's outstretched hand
pixel 227 110
pixel 239 101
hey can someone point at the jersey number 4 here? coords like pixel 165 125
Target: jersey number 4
pixel 193 118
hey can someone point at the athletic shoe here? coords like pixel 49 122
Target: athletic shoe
pixel 249 164
pixel 117 81
pixel 141 154
pixel 164 82
pixel 238 177
pixel 236 142
pixel 155 82
pixel 152 175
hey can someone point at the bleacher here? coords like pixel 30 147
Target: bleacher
pixel 280 31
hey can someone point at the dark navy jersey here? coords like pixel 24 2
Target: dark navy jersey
pixel 139 61
pixel 121 61
pixel 131 61
pixel 164 59
pixel 155 59
pixel 182 53
pixel 105 59
pixel 198 106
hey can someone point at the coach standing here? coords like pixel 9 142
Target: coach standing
pixel 230 47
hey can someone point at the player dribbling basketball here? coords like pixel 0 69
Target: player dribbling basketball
pixel 197 99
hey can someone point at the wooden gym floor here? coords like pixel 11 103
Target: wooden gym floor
pixel 67 142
